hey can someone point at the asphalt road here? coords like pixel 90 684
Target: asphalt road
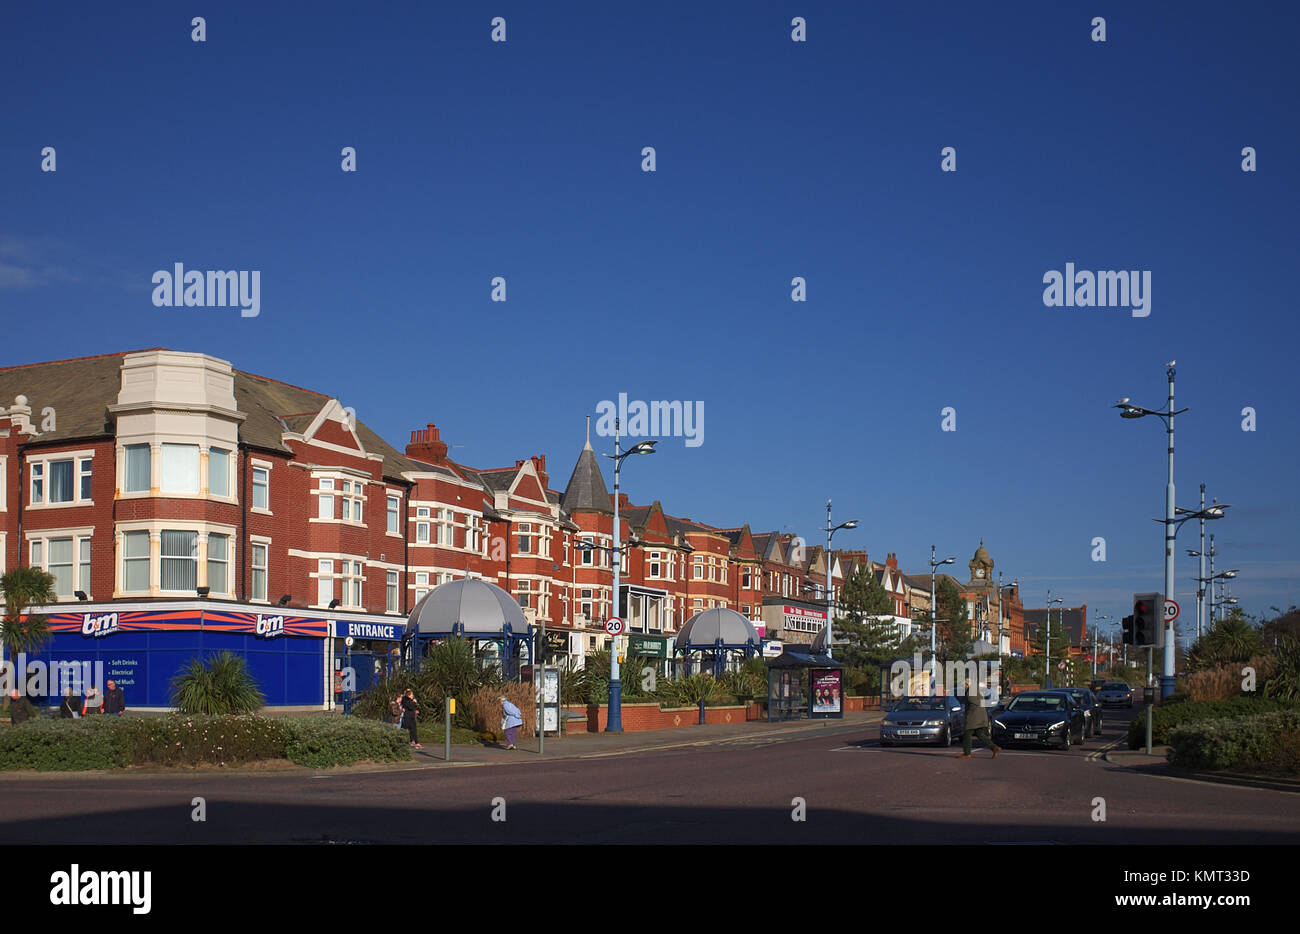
pixel 742 791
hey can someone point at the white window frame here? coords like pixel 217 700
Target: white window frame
pixel 162 470
pixel 393 515
pixel 265 468
pixel 81 460
pixel 391 604
pixel 254 543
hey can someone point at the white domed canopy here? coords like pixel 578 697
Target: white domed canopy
pixel 706 628
pixel 466 607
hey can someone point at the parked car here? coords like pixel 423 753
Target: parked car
pixel 1116 694
pixel 933 720
pixel 1039 718
pixel 1095 684
pixel 1091 705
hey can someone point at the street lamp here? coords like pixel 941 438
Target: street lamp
pixel 1047 643
pixel 615 722
pixel 1094 641
pixel 830 531
pixel 934 564
pixel 1128 410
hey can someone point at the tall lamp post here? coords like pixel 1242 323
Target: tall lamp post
pixel 1128 410
pixel 933 565
pixel 1094 641
pixel 1047 640
pixel 830 531
pixel 615 722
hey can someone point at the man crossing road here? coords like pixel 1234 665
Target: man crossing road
pixel 977 723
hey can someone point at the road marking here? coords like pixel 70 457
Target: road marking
pixel 1096 755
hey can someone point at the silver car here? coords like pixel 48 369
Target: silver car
pixel 1116 694
pixel 937 721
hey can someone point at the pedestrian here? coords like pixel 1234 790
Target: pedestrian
pixel 70 709
pixel 94 702
pixel 20 708
pixel 114 700
pixel 411 710
pixel 977 723
pixel 511 721
pixel 394 715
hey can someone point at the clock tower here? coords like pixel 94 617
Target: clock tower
pixel 981 568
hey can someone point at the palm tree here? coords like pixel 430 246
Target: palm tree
pixel 20 631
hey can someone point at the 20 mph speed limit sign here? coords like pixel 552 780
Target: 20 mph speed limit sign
pixel 614 626
pixel 1171 610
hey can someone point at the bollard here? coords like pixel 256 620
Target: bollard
pixel 701 711
pixel 446 730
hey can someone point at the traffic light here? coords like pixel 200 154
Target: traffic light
pixel 1148 608
pixel 1127 623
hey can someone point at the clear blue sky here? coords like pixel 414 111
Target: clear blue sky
pixel 775 159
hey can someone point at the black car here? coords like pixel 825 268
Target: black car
pixel 935 720
pixel 1039 718
pixel 1091 705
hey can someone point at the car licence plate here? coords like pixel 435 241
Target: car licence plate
pixel 909 732
pixel 1026 736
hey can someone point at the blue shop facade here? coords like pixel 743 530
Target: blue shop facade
pixel 298 659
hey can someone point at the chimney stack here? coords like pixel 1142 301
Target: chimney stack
pixel 426 446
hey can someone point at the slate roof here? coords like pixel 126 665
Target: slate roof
pixel 81 391
pixel 1073 621
pixel 586 490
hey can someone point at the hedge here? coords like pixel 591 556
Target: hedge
pixel 1169 716
pixel 320 742
pixel 102 742
pixel 1262 742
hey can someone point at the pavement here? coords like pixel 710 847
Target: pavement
pixel 596 745
pixel 1158 764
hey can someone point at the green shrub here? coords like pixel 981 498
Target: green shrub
pixel 67 745
pixel 220 684
pixel 183 739
pixel 1262 742
pixel 690 690
pixel 320 742
pixel 1283 679
pixel 1169 716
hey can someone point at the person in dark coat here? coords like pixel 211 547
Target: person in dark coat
pixel 977 723
pixel 20 708
pixel 70 709
pixel 410 709
pixel 114 700
pixel 394 715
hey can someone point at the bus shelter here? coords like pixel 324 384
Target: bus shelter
pixel 804 684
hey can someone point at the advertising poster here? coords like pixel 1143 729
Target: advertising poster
pixel 827 696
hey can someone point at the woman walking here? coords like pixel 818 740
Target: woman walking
pixel 410 710
pixel 511 721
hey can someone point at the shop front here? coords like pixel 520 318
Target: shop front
pixel 142 647
pixel 370 648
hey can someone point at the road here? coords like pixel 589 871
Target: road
pixel 742 791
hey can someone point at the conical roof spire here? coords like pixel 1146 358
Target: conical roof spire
pixel 586 491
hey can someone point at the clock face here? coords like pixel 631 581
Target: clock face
pixel 979 573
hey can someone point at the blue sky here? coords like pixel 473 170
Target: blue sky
pixel 775 159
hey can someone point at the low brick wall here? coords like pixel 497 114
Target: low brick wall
pixel 640 717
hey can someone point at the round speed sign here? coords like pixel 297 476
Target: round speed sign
pixel 1171 610
pixel 614 626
